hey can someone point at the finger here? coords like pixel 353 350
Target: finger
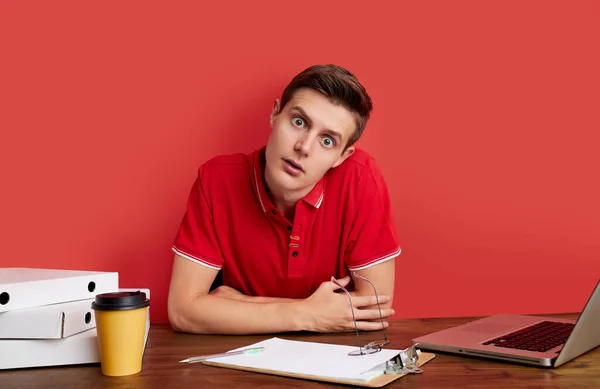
pixel 365 301
pixel 342 281
pixel 370 314
pixel 369 326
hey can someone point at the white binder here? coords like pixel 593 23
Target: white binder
pixel 30 287
pixel 53 321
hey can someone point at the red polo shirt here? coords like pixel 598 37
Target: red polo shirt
pixel 343 224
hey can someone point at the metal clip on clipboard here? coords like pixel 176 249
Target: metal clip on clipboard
pixel 407 361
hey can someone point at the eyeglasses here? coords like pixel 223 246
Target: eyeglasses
pixel 407 361
pixel 373 346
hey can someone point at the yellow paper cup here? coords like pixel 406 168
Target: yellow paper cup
pixel 121 326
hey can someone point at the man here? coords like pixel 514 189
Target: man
pixel 281 222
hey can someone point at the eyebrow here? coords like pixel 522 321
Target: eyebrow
pixel 333 133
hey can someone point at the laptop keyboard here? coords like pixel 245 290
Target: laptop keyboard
pixel 540 337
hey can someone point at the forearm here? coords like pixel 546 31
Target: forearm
pixel 259 299
pixel 235 295
pixel 207 314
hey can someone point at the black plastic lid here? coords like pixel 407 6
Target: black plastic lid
pixel 120 301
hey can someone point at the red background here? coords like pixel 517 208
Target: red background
pixel 485 125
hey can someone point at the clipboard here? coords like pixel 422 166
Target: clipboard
pixel 375 382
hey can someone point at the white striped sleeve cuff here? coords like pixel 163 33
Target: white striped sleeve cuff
pixel 194 259
pixel 377 261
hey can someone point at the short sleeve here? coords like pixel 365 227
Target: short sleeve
pixel 196 238
pixel 372 237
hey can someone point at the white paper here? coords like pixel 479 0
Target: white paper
pixel 313 359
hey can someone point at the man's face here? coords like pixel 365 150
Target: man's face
pixel 307 139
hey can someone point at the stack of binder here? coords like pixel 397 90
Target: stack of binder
pixel 46 317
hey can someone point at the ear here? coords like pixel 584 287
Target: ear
pixel 348 152
pixel 275 111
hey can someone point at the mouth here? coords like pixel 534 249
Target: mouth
pixel 295 165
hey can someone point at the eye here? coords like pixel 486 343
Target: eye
pixel 328 142
pixel 298 122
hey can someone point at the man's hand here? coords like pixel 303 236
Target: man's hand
pixel 328 311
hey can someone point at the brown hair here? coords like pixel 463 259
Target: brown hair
pixel 341 86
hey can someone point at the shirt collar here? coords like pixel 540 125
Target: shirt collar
pixel 314 197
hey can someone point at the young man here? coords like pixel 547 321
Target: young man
pixel 282 221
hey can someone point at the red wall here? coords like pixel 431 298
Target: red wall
pixel 485 124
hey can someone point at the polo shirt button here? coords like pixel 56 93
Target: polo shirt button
pixel 295 254
pixel 274 212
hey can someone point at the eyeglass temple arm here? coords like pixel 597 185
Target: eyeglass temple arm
pixel 378 306
pixel 352 310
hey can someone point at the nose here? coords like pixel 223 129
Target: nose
pixel 304 144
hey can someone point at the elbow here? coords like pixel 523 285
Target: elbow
pixel 176 319
pixel 182 318
pixel 178 314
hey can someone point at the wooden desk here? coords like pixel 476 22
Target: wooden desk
pixel 165 348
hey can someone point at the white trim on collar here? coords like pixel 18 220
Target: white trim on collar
pixel 318 204
pixel 258 190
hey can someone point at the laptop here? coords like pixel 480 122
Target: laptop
pixel 525 339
